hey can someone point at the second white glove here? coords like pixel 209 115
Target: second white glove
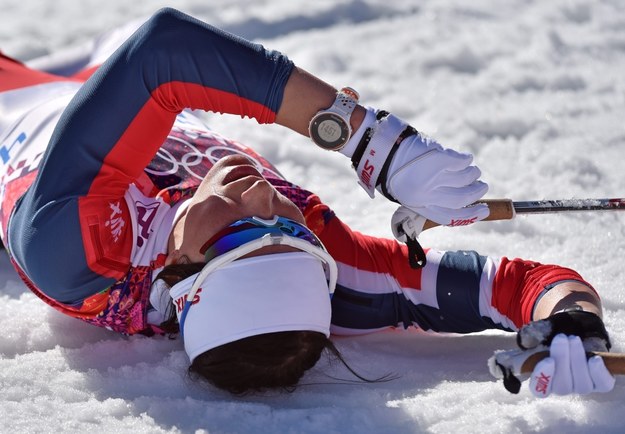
pixel 567 370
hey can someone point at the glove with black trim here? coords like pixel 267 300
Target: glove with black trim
pixel 567 336
pixel 409 168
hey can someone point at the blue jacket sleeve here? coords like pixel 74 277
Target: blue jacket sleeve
pixel 112 129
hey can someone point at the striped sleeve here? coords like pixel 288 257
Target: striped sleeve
pixel 110 132
pixel 457 291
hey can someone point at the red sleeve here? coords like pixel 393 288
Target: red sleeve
pixel 518 284
pixel 365 252
pixel 16 75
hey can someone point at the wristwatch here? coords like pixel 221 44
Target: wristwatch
pixel 330 128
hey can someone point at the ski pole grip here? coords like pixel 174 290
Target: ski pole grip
pixel 615 362
pixel 500 209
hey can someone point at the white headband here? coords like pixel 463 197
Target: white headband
pixel 252 296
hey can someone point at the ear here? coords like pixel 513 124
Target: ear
pixel 176 257
pixel 173 257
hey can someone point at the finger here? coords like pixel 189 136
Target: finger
pixel 541 380
pixel 450 197
pixel 562 377
pixel 582 382
pixel 458 178
pixel 454 217
pixel 426 167
pixel 444 198
pixel 416 183
pixel 601 377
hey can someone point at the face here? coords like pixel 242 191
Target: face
pixel 231 190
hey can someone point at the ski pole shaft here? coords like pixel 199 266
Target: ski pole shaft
pixel 548 206
pixel 506 209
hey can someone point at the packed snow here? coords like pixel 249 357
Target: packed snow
pixel 535 90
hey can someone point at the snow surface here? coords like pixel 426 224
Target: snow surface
pixel 535 90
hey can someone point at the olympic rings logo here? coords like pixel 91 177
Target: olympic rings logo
pixel 196 162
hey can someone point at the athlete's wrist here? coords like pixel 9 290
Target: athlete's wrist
pixel 566 295
pixel 357 118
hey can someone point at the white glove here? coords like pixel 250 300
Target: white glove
pixel 567 335
pixel 417 172
pixel 568 371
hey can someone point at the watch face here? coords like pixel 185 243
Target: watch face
pixel 329 131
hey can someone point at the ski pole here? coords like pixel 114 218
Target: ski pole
pixel 407 229
pixel 510 364
pixel 506 209
pixel 524 361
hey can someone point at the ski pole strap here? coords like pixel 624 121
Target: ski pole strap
pixel 373 156
pixel 416 255
pixel 409 131
pixel 364 141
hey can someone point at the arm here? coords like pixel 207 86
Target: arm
pixel 303 86
pixel 110 132
pixel 118 120
pixel 565 296
pixel 456 291
pixel 566 324
pixel 392 157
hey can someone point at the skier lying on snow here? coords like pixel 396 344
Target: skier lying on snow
pixel 121 208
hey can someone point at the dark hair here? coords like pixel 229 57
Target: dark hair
pixel 256 363
pixel 267 361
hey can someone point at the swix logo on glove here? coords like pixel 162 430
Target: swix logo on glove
pixel 542 383
pixel 463 222
pixel 541 380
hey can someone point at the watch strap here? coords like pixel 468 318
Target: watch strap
pixel 345 102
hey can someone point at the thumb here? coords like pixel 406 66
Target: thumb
pixel 454 216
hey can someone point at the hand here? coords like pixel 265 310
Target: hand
pixel 567 370
pixel 437 183
pixel 567 335
pixel 417 172
pixel 407 225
